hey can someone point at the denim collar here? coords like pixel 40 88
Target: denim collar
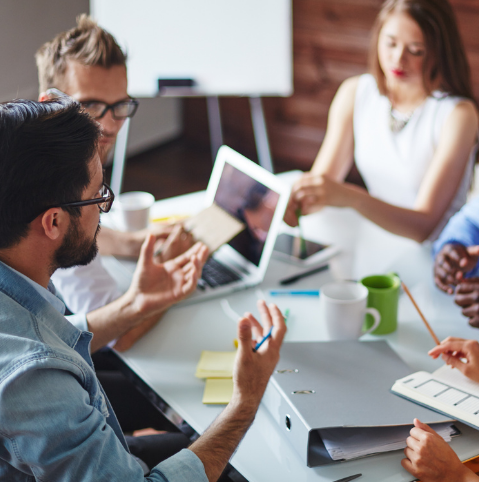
pixel 50 294
pixel 38 301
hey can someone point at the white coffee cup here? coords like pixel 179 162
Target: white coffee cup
pixel 344 305
pixel 132 210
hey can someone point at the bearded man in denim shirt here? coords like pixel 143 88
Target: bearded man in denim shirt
pixel 56 424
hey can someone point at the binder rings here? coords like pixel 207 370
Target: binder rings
pixel 319 385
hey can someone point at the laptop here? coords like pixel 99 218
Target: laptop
pixel 256 198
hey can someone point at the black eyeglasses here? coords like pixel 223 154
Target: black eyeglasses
pixel 104 201
pixel 97 109
pixel 119 110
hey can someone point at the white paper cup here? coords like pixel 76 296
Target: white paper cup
pixel 132 210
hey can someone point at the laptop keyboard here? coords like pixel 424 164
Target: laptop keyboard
pixel 217 274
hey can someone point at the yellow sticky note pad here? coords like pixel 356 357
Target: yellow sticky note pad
pixel 218 391
pixel 216 364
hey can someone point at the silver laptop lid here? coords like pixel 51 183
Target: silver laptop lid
pixel 255 197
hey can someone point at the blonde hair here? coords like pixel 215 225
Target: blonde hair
pixel 86 43
pixel 445 63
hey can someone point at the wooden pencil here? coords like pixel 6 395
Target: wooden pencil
pixel 405 288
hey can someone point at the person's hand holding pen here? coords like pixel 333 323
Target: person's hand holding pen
pixel 461 354
pixel 251 373
pixel 253 369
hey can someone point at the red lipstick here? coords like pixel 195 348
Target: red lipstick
pixel 398 72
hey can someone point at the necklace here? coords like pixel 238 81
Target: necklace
pixel 398 121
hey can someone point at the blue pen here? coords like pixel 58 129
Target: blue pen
pixel 265 337
pixel 294 292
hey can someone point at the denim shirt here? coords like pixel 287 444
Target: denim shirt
pixel 56 423
pixel 462 228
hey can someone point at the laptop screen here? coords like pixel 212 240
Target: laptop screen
pixel 250 202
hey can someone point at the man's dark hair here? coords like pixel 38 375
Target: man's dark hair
pixel 45 150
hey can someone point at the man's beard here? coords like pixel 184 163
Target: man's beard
pixel 76 249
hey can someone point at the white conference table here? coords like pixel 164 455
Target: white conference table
pixel 167 357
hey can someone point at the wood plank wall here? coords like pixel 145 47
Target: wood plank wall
pixel 330 44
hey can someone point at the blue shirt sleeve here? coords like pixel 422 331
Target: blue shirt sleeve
pixel 462 228
pixel 54 431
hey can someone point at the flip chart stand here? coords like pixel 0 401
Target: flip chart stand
pixel 216 135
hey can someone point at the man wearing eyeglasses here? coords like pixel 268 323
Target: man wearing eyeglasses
pixel 56 423
pixel 87 65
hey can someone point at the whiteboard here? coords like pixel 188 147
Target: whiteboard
pixel 229 47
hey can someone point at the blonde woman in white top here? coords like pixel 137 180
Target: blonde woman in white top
pixel 411 126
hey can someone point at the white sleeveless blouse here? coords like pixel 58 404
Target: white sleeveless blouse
pixel 393 165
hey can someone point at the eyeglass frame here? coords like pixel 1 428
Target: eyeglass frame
pixel 86 202
pixel 131 100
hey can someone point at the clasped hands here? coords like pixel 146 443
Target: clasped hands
pixel 450 267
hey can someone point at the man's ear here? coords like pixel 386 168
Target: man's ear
pixel 55 222
pixel 43 97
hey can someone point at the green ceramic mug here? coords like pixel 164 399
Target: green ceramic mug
pixel 384 296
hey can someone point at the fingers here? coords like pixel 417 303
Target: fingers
pixel 256 327
pixel 265 316
pixel 455 252
pixel 422 426
pixel 450 345
pixel 468 286
pixel 244 337
pixel 147 250
pixel 473 250
pixel 290 214
pixel 185 258
pixel 443 286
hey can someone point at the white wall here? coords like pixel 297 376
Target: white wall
pixel 27 24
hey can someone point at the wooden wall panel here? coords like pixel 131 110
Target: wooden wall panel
pixel 330 43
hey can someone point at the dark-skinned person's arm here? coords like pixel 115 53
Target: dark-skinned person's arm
pixel 467 297
pixel 251 374
pixel 455 252
pixel 451 264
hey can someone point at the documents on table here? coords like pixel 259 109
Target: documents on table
pixel 214 227
pixel 446 391
pixel 345 443
pixel 217 368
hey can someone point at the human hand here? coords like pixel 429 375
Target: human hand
pixel 178 242
pixel 451 263
pixel 454 349
pixel 253 370
pixel 156 286
pixel 467 297
pixel 430 459
pixel 314 191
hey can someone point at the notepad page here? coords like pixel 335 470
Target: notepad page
pixel 446 390
pixel 218 391
pixel 216 364
pixel 453 377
